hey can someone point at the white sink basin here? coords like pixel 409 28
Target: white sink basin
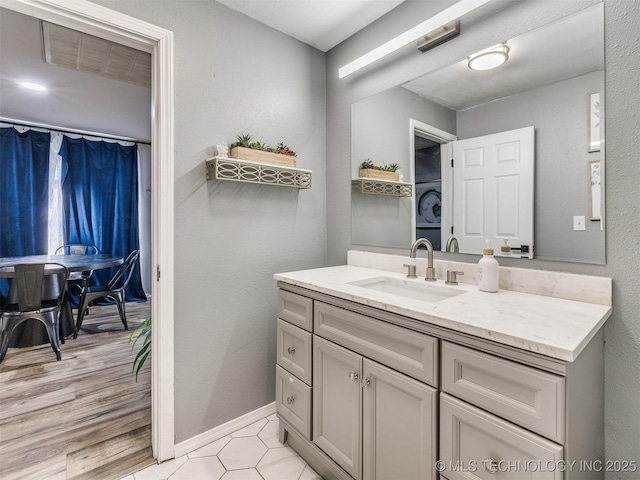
pixel 423 291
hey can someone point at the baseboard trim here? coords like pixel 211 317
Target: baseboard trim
pixel 220 431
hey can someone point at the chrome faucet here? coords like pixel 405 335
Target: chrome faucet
pixel 431 272
pixel 452 242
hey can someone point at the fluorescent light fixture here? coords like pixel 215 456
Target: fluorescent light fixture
pixel 33 86
pixel 439 20
pixel 490 58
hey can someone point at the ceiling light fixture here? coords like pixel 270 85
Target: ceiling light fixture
pixel 490 58
pixel 33 86
pixel 439 20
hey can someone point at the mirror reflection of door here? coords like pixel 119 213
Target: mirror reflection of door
pixel 493 192
pixel 428 188
pixel 430 171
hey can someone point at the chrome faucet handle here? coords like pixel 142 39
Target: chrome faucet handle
pixel 412 271
pixel 431 275
pixel 452 278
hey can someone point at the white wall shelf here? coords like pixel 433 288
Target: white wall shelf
pixel 369 186
pixel 221 168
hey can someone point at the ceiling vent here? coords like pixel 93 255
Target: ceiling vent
pixel 86 53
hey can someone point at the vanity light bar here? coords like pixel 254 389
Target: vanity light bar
pixel 439 20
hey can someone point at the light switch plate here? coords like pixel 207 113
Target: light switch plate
pixel 578 222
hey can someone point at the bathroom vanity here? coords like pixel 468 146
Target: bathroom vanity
pixel 380 376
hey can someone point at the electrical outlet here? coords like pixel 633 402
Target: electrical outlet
pixel 578 222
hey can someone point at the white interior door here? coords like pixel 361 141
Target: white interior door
pixel 493 191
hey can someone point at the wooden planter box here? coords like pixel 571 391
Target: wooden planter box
pixel 379 174
pixel 260 156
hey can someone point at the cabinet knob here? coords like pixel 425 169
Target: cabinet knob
pixel 366 382
pixel 353 376
pixel 490 465
pixel 291 350
pixel 290 400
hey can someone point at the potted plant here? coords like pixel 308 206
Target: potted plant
pixel 141 332
pixel 368 169
pixel 246 148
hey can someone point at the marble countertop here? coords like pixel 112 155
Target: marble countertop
pixel 550 326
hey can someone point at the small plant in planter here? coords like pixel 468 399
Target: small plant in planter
pixel 282 149
pixel 369 165
pixel 246 148
pixel 368 169
pixel 242 141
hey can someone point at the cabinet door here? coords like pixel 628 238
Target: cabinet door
pixel 399 425
pixel 475 445
pixel 337 398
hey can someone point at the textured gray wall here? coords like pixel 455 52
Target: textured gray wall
pixel 506 20
pixel 380 131
pixel 559 114
pixel 234 75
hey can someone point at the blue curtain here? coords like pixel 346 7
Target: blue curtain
pixel 24 192
pixel 100 201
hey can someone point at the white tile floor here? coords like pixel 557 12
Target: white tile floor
pixel 251 453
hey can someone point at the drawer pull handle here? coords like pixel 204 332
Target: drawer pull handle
pixel 291 350
pixel 290 400
pixel 366 382
pixel 353 376
pixel 490 465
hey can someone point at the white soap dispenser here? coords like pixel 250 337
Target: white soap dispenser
pixel 489 279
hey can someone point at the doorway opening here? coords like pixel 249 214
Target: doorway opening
pixel 430 164
pixel 111 25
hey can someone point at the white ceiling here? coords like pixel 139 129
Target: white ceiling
pixel 559 51
pixel 323 24
pixel 72 101
pixel 77 100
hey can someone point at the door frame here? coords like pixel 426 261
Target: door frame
pixel 102 22
pixel 446 154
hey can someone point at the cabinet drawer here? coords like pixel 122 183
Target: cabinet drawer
pixel 473 443
pixel 295 309
pixel 409 352
pixel 521 394
pixel 293 401
pixel 294 350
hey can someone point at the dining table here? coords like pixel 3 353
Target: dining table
pixel 32 332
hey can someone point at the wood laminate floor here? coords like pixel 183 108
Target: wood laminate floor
pixel 84 417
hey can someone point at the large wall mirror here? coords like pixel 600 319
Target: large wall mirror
pixel 551 90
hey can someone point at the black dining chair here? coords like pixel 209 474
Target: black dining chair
pixel 79 280
pixel 36 291
pixel 114 290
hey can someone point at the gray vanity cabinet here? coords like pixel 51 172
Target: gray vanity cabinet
pixel 399 425
pixel 374 422
pixel 366 394
pixel 293 359
pixel 337 400
pixel 370 416
pixel 475 444
pixel 505 419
